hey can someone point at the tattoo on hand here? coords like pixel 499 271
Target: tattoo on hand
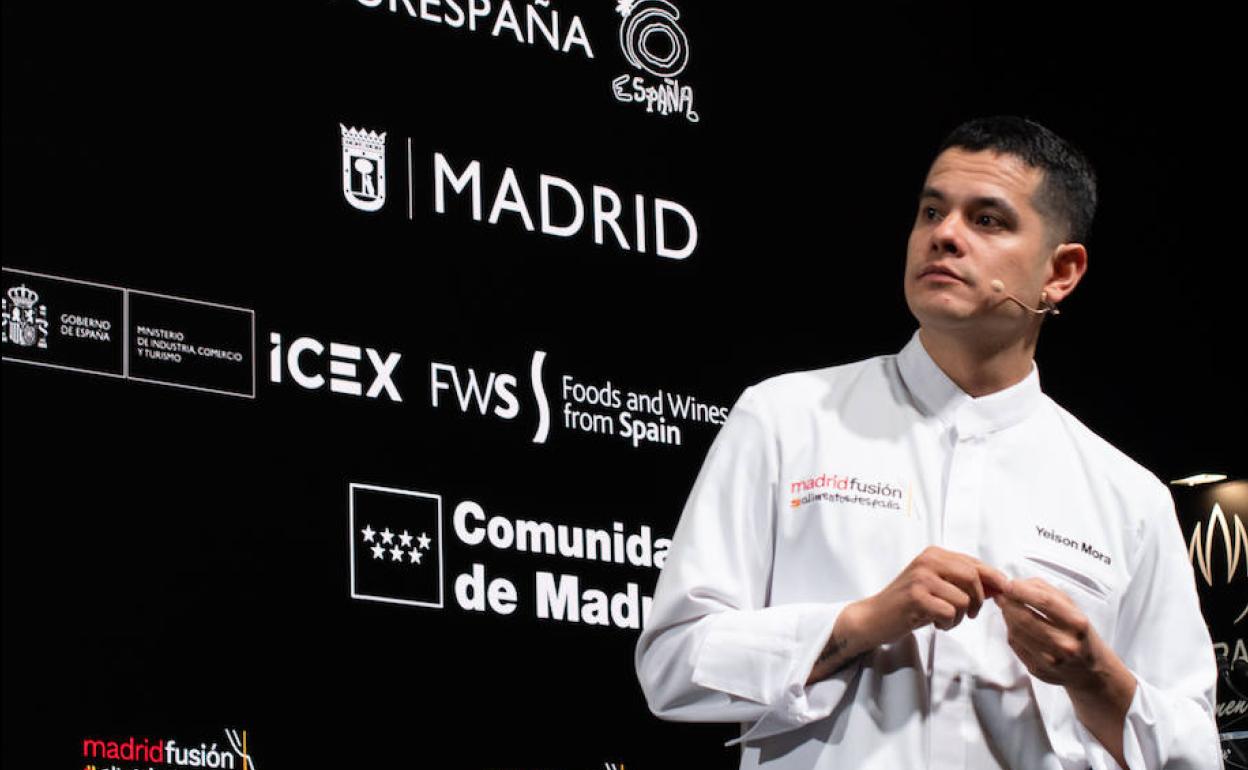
pixel 834 647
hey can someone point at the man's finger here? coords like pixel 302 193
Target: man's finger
pixel 1059 645
pixel 956 596
pixel 1034 641
pixel 943 614
pixel 995 581
pixel 1026 625
pixel 1049 601
pixel 960 571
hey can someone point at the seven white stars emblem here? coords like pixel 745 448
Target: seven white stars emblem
pixel 397 550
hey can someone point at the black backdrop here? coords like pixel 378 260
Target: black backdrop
pixel 176 560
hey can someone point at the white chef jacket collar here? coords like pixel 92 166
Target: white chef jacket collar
pixel 941 397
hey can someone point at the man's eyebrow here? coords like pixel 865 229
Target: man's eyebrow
pixel 981 201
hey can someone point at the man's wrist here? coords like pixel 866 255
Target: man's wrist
pixel 1101 704
pixel 1110 690
pixel 847 641
pixel 856 623
pixel 1111 683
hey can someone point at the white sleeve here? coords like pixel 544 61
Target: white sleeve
pixel 712 649
pixel 1162 638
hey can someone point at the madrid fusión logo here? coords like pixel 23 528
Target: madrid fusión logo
pixel 146 752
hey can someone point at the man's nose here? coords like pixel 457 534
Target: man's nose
pixel 947 235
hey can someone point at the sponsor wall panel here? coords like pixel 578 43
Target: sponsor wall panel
pixel 1214 518
pixel 354 377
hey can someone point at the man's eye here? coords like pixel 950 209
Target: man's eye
pixel 929 212
pixel 989 221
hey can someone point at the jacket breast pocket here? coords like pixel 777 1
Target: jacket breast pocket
pixel 1091 592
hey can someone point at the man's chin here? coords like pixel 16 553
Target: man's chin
pixel 947 317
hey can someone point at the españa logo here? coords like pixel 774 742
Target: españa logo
pixel 653 42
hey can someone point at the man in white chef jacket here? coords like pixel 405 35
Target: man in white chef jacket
pixel 920 560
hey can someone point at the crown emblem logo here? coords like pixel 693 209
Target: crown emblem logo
pixel 363 167
pixel 23 297
pixel 24 322
pixel 358 138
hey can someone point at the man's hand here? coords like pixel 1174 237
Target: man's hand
pixel 939 586
pixel 1057 644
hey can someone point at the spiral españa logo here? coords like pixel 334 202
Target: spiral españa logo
pixel 651 39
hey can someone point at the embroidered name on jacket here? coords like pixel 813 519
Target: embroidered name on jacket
pixel 850 490
pixel 1078 545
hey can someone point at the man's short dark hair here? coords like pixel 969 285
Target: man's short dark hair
pixel 1066 196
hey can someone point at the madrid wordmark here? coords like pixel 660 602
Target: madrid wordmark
pixel 562 209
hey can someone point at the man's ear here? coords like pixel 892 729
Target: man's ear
pixel 1067 264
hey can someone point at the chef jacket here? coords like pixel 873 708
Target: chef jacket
pixel 823 485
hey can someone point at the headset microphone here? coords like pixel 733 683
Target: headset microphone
pixel 1047 307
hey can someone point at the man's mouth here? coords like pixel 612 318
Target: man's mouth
pixel 939 271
